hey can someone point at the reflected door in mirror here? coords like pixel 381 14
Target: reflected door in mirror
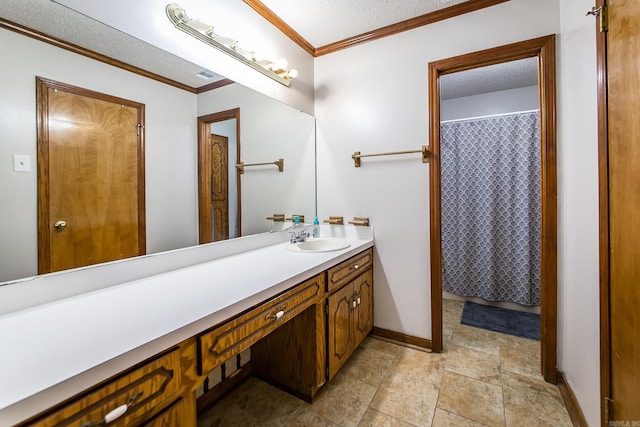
pixel 89 178
pixel 220 186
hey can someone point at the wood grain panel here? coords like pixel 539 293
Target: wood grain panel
pixel 340 329
pixel 363 293
pixel 346 271
pixel 220 186
pixel 205 213
pixel 292 356
pixel 158 381
pixel 401 338
pixel 623 77
pixel 603 218
pixel 90 175
pixel 179 413
pixel 226 341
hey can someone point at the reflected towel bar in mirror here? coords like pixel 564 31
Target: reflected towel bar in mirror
pixel 424 150
pixel 335 220
pixel 279 163
pixel 360 220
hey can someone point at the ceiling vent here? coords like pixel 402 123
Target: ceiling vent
pixel 205 75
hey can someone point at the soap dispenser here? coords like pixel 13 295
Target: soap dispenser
pixel 316 227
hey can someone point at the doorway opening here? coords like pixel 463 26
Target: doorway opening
pixel 219 192
pixel 543 49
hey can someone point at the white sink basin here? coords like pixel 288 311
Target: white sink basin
pixel 319 244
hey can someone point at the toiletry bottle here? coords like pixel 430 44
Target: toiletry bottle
pixel 296 221
pixel 316 227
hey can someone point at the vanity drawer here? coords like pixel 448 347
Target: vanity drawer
pixel 145 389
pixel 346 271
pixel 229 339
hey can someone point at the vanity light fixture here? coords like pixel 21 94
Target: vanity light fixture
pixel 277 69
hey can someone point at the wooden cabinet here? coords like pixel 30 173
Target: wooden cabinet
pixel 348 270
pixel 136 395
pixel 224 342
pixel 299 340
pixel 301 356
pixel 179 413
pixel 363 314
pixel 349 310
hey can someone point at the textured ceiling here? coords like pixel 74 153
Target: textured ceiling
pixel 63 23
pixel 508 75
pixel 322 22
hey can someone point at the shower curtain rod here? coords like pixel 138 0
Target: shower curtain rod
pixel 490 115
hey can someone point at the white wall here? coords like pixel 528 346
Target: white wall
pixel 374 97
pixel 364 104
pixel 578 255
pixel 499 102
pixel 171 188
pixel 269 130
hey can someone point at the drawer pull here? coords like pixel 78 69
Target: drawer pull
pixel 278 315
pixel 355 267
pixel 115 414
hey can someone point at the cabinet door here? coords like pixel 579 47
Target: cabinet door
pixel 340 328
pixel 363 315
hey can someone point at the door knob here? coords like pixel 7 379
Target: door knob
pixel 60 225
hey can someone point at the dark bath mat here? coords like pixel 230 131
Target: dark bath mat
pixel 512 322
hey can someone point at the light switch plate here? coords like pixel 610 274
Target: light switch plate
pixel 21 163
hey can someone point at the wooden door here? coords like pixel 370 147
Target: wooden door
pixel 340 328
pixel 220 186
pixel 90 178
pixel 621 319
pixel 363 291
pixel 206 218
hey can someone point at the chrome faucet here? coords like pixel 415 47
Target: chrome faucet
pixel 298 236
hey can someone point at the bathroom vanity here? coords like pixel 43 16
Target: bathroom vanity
pixel 137 351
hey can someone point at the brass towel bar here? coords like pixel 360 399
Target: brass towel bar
pixel 424 150
pixel 279 163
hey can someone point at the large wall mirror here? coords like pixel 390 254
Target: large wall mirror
pixel 268 130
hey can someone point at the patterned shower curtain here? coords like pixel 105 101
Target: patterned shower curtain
pixel 491 207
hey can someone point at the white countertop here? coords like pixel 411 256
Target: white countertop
pixel 54 350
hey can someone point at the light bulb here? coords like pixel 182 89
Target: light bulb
pixel 293 73
pixel 280 64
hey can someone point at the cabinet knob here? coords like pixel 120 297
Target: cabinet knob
pixel 355 267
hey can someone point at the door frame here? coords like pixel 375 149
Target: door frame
pixel 544 49
pixel 44 228
pixel 204 172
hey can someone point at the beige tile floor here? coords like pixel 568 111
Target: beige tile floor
pixel 482 378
